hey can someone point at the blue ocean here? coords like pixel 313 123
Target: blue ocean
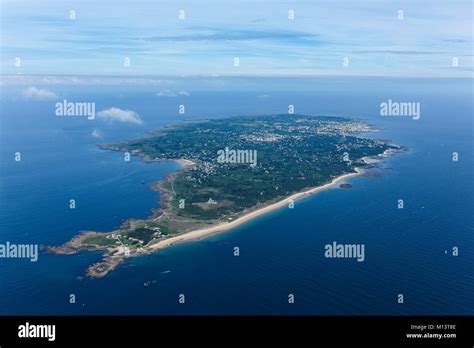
pixel 408 251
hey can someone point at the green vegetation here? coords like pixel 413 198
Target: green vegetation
pixel 99 239
pixel 294 152
pixel 143 234
pixel 165 230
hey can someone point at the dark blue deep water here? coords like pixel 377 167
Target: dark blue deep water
pixel 407 251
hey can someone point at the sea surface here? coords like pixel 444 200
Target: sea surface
pixel 407 251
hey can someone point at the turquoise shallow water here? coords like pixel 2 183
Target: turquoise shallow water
pixel 280 253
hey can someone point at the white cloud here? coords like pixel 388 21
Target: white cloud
pixel 119 115
pixel 38 94
pixel 168 93
pixel 82 80
pixel 263 96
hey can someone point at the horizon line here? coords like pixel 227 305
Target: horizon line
pixel 233 75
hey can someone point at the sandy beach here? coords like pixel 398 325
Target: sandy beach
pixel 197 234
pixel 185 162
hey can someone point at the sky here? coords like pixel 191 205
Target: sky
pixel 343 38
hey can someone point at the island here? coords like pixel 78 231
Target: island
pixel 234 169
